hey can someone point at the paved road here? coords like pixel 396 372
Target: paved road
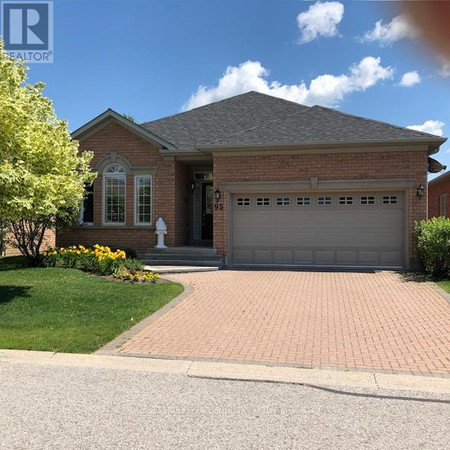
pixel 79 408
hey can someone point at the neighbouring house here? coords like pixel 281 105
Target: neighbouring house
pixel 439 196
pixel 261 180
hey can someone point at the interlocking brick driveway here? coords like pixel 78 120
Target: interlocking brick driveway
pixel 321 319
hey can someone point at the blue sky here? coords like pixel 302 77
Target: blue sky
pixel 150 58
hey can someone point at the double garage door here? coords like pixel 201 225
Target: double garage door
pixel 321 229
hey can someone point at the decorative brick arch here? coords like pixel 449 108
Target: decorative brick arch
pixel 112 158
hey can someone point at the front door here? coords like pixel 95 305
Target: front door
pixel 207 211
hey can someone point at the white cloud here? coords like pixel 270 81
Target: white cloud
pixel 445 67
pixel 386 33
pixel 321 19
pixel 430 126
pixel 410 79
pixel 325 90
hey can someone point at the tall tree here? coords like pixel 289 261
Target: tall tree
pixel 42 173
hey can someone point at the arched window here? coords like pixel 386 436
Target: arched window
pixel 115 180
pixel 115 169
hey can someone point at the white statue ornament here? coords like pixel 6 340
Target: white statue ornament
pixel 160 230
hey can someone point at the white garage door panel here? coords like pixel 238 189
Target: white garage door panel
pixel 336 235
pixel 345 257
pixel 261 256
pixel 303 257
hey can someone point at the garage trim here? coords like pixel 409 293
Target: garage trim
pixel 319 185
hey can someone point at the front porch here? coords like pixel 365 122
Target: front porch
pixel 201 203
pixel 196 250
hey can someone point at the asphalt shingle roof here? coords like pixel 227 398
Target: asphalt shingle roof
pixel 259 119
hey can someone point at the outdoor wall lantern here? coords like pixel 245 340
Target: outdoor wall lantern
pixel 192 186
pixel 217 195
pixel 420 191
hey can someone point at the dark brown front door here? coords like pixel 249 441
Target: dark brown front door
pixel 207 211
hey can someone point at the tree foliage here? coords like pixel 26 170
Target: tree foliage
pixel 129 117
pixel 42 174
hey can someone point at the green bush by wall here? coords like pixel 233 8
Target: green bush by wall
pixel 433 238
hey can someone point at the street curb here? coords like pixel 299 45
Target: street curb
pixel 112 347
pixel 324 378
pixel 282 364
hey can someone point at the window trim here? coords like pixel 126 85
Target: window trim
pixel 105 176
pixel 136 211
pixel 367 197
pixel 388 199
pixel 308 198
pixel 203 175
pixel 263 201
pixel 346 200
pixel 246 201
pixel 324 197
pixel 283 201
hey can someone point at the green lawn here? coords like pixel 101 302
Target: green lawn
pixel 68 310
pixel 444 285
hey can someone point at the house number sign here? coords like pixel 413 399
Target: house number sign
pixel 218 207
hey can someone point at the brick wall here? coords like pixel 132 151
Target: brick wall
pixel 136 239
pixel 169 182
pixel 435 190
pixel 333 166
pixel 182 181
pixel 48 242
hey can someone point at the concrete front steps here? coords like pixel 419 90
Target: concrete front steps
pixel 183 257
pixel 168 270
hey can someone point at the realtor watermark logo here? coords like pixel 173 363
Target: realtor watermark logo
pixel 27 29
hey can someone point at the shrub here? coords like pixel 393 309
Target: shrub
pixel 137 276
pixel 134 265
pixel 433 238
pixel 101 260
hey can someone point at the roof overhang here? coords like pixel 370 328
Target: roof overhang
pixel 442 177
pixel 431 144
pixel 111 116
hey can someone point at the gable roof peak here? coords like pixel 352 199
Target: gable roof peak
pixel 109 116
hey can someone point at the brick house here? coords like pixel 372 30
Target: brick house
pixel 439 196
pixel 8 248
pixel 261 180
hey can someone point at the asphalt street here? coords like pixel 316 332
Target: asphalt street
pixel 52 407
